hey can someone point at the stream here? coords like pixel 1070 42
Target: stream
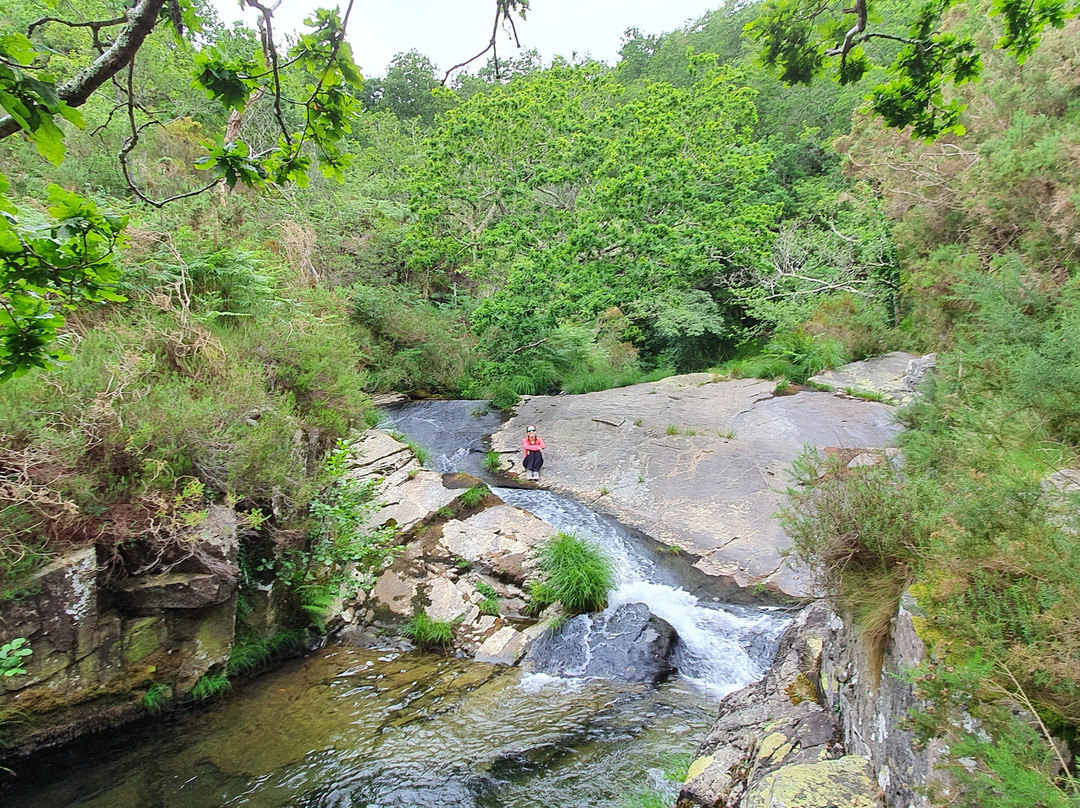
pixel 360 728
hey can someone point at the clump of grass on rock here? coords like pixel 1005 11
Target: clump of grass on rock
pixel 428 633
pixel 574 572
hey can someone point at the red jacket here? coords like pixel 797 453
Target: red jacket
pixel 532 447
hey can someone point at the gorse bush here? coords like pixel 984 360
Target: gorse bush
pixel 856 529
pixel 574 572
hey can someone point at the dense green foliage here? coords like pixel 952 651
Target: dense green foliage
pixel 800 39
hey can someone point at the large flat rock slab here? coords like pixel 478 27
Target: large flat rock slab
pixel 696 462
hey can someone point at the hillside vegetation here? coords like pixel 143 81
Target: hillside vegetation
pixel 574 226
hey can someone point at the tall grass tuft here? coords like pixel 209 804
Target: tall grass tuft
pixel 210 685
pixel 428 633
pixel 576 573
pixel 493 461
pixel 474 496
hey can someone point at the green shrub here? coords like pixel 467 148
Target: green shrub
pixel 427 633
pixel 504 398
pixel 229 283
pixel 12 656
pixel 252 650
pixel 574 572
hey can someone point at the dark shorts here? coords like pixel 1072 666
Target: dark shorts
pixel 533 461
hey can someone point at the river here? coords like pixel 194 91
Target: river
pixel 363 728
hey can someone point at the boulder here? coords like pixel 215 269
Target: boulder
pixel 896 376
pixel 396 592
pixel 498 540
pixel 847 781
pixel 504 647
pixel 446 601
pixel 627 643
pixel 413 501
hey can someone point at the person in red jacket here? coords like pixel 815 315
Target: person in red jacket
pixel 533 445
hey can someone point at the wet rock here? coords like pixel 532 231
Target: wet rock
pixel 97 649
pixel 504 647
pixel 628 644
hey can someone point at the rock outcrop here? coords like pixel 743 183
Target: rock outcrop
pixel 696 463
pixel 777 743
pixel 874 707
pixel 98 646
pixel 823 703
pixel 452 551
pixel 895 376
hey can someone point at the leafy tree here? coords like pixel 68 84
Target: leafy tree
pixel 46 266
pixel 407 89
pixel 562 183
pixel 305 98
pixel 801 39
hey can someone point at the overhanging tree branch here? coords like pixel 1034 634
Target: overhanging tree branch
pixel 140 22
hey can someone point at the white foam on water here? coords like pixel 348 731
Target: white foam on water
pixel 714 643
pixel 535 682
pixel 719 649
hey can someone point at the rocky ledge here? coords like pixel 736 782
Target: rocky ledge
pixel 701 463
pixel 777 743
pixel 453 551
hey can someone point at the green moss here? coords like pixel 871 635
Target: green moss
pixel 141 637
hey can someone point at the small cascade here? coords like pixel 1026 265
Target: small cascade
pixel 353 726
pixel 720 647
